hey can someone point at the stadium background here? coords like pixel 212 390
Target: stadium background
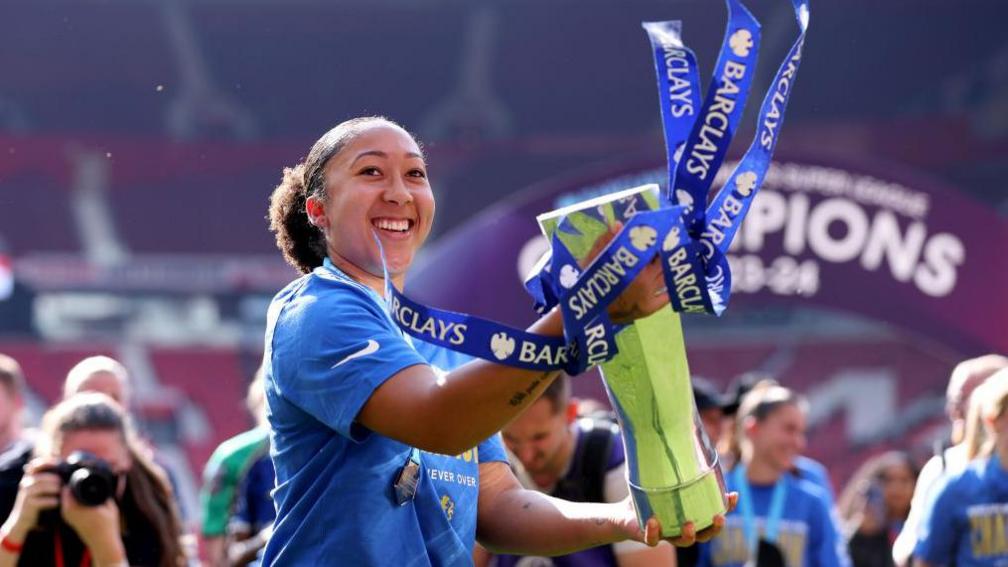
pixel 139 141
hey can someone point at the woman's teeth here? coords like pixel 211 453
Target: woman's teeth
pixel 393 225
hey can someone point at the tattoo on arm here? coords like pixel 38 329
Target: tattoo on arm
pixel 520 395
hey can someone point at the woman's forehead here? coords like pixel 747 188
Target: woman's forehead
pixel 380 138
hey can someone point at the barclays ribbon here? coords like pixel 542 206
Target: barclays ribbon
pixel 481 338
pixel 678 89
pixel 729 207
pixel 719 117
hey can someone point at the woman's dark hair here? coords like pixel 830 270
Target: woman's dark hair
pixel 871 473
pixel 303 245
pixel 146 482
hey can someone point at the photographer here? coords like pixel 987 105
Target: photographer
pixel 90 496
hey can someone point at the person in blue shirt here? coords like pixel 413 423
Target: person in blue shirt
pixel 728 446
pixel 964 522
pixel 781 519
pixel 380 458
pixel 251 525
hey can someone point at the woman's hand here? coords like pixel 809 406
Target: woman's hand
pixel 97 526
pixel 645 295
pixel 39 490
pixel 651 534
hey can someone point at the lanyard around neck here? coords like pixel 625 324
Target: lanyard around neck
pixel 771 522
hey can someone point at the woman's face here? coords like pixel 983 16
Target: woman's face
pixel 780 437
pixel 897 489
pixel 105 444
pixel 378 185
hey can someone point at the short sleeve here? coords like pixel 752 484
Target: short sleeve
pixel 936 533
pixel 333 345
pixel 492 449
pixel 816 473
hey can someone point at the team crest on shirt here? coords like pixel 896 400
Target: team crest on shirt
pixel 448 506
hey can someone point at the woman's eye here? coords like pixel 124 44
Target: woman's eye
pixel 417 173
pixel 370 170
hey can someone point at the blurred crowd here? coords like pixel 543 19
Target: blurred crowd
pixel 84 487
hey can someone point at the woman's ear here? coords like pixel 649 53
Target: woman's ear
pixel 750 426
pixel 315 210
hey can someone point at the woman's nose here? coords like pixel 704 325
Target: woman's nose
pixel 397 193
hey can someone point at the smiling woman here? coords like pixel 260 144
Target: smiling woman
pixel 364 428
pixel 782 518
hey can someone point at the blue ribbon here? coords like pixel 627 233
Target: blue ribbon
pixel 713 130
pixel 678 90
pixel 771 522
pixel 729 207
pixel 481 338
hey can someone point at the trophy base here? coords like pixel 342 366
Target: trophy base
pixel 697 502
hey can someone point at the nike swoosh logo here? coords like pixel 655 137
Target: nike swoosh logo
pixel 370 348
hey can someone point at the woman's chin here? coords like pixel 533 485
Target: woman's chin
pixel 398 264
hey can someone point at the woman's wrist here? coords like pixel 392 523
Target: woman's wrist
pixel 11 545
pixel 550 324
pixel 13 534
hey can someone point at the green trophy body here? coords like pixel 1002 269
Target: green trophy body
pixel 671 467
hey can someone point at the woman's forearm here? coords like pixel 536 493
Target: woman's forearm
pixel 532 523
pixel 515 520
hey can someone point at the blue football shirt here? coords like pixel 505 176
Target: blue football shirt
pixel 254 509
pixel 814 472
pixel 807 535
pixel 965 520
pixel 330 343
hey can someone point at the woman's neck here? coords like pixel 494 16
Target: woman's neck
pixel 762 473
pixel 364 277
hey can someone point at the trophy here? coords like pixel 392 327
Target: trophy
pixel 671 466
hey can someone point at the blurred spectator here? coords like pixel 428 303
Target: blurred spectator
pixel 874 506
pixel 963 522
pixel 136 524
pixel 252 523
pixel 225 472
pixel 108 376
pixel 100 374
pixel 966 377
pixel 711 407
pixel 729 451
pixel 15 445
pixel 580 460
pixel 780 519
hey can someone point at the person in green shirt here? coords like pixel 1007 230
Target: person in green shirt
pixel 223 474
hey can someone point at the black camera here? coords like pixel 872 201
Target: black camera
pixel 90 478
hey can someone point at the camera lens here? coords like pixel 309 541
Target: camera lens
pixel 90 488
